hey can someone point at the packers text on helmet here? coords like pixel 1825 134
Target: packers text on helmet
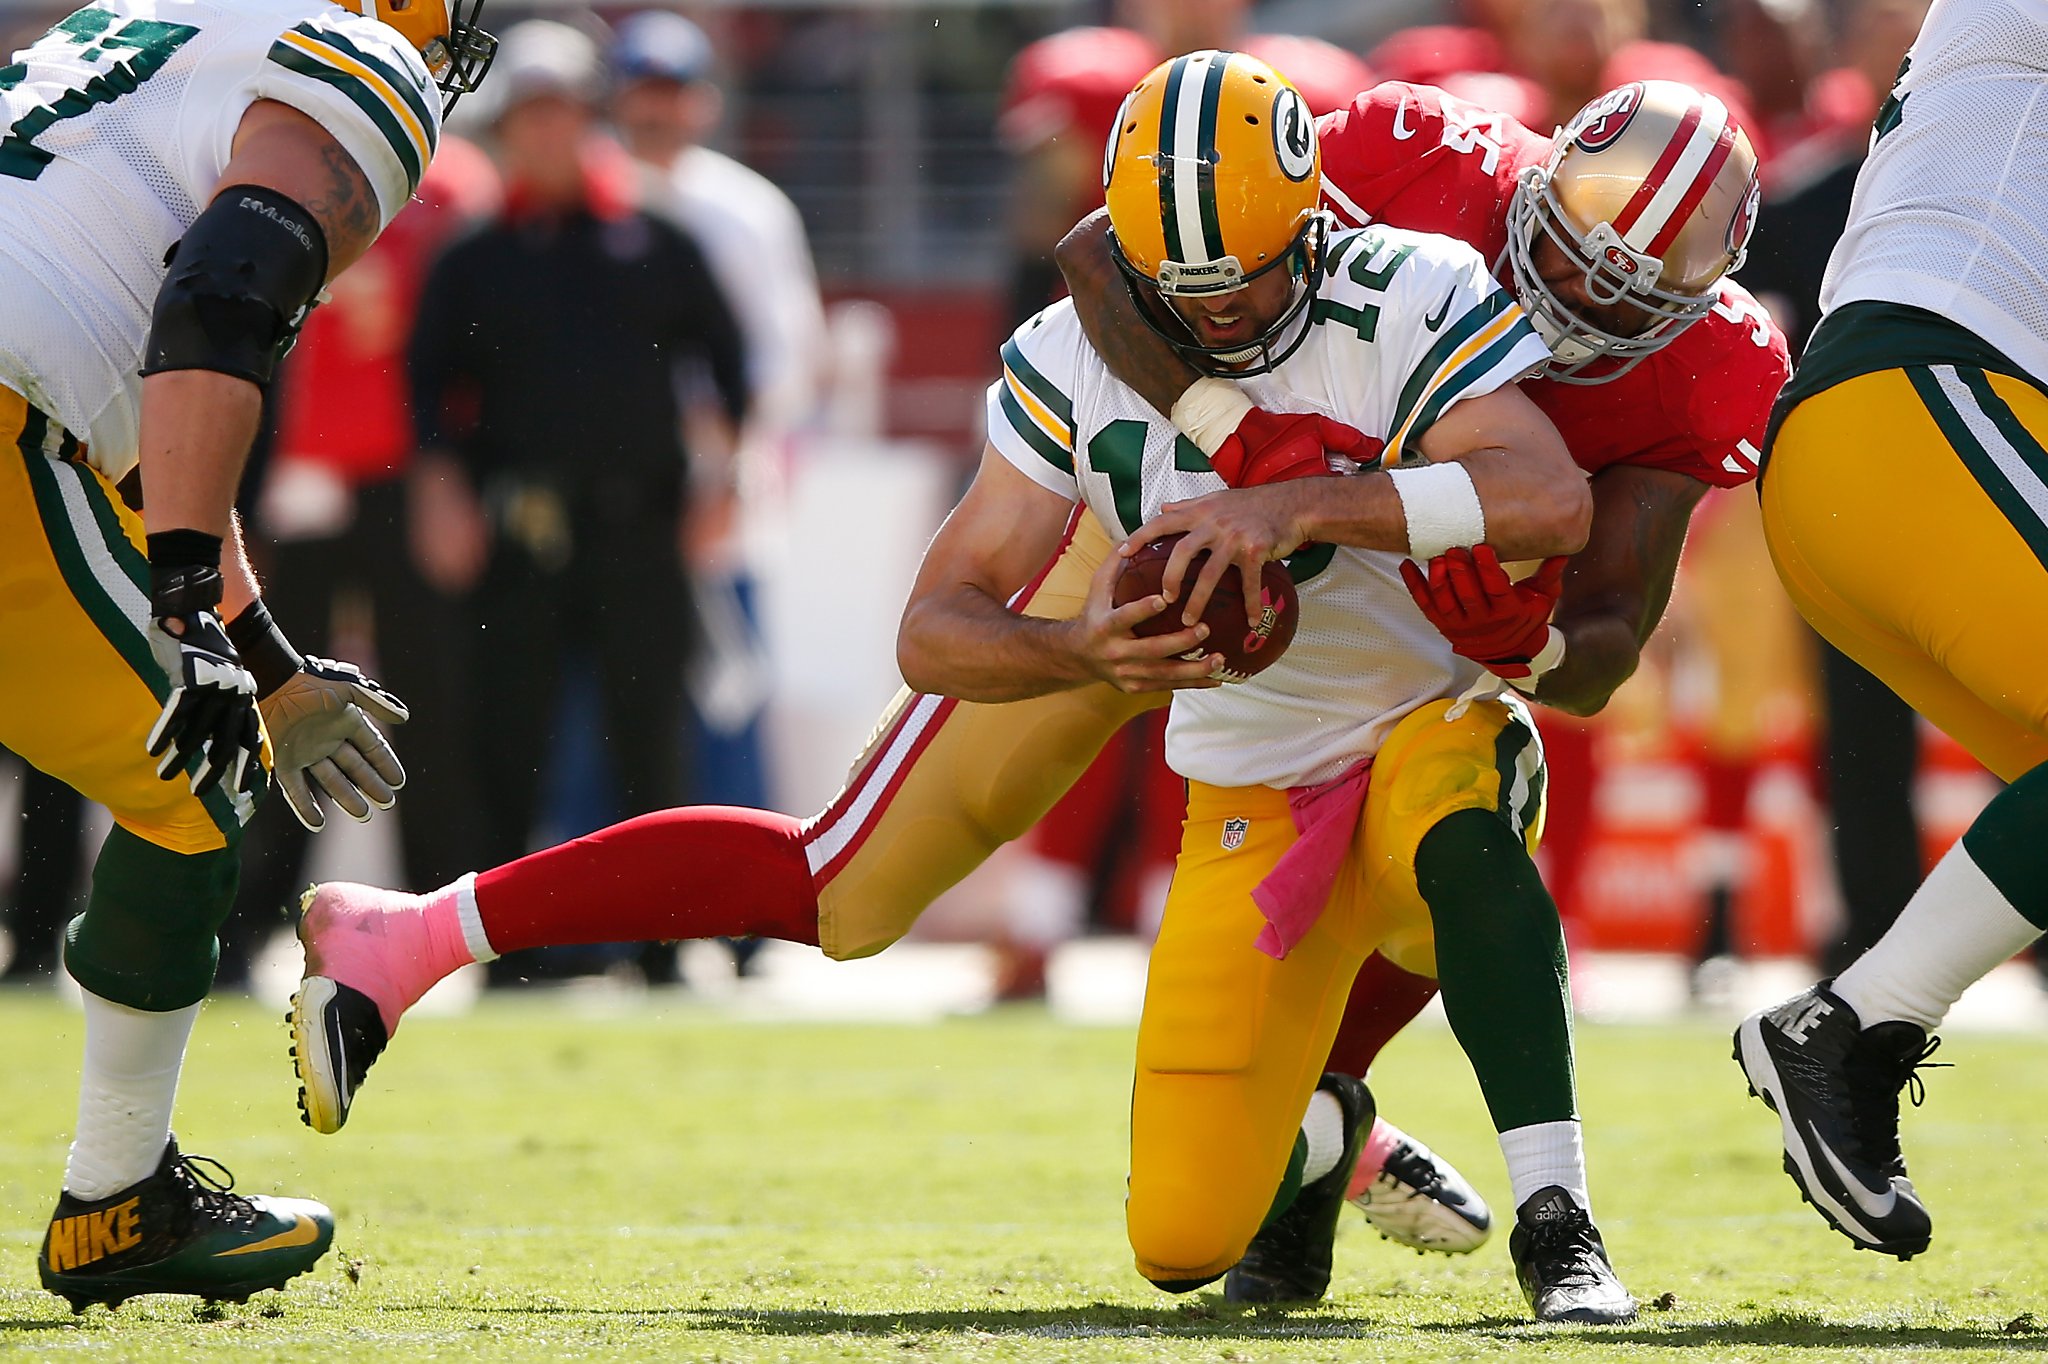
pixel 1212 174
pixel 1650 192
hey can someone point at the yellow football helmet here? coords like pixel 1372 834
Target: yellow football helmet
pixel 1651 190
pixel 447 35
pixel 1212 174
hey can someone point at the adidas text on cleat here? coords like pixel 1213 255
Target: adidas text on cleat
pixel 1289 1260
pixel 336 1035
pixel 181 1230
pixel 1834 1085
pixel 1414 1197
pixel 1562 1263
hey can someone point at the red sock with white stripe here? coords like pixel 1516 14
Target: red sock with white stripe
pixel 703 871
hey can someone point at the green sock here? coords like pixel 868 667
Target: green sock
pixel 1290 1182
pixel 146 938
pixel 1500 960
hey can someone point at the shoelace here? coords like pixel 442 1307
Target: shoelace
pixel 213 1186
pixel 1424 1176
pixel 1875 1086
pixel 1566 1243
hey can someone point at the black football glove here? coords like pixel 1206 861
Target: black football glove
pixel 211 710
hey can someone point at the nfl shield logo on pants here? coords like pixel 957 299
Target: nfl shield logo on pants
pixel 1234 831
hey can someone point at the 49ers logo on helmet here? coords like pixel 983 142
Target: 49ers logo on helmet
pixel 1744 221
pixel 1621 260
pixel 1604 120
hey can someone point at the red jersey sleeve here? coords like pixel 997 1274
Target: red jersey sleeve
pixel 1724 374
pixel 1419 158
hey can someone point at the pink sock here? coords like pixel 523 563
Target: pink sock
pixel 392 946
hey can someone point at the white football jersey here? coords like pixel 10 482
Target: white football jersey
pixel 120 121
pixel 1950 213
pixel 1403 325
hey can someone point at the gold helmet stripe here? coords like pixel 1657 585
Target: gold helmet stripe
pixel 1187 157
pixel 1698 148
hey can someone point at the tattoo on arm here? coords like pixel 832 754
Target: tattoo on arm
pixel 346 207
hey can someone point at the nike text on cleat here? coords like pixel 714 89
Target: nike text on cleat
pixel 1289 1260
pixel 1562 1263
pixel 1414 1197
pixel 1835 1085
pixel 337 1034
pixel 182 1230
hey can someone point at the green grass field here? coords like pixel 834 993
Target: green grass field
pixel 534 1182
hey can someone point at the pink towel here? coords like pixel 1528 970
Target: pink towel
pixel 1293 894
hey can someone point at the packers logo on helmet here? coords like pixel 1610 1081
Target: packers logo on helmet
pixel 1212 174
pixel 1651 192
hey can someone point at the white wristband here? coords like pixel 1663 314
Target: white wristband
pixel 1442 508
pixel 1209 412
pixel 1547 658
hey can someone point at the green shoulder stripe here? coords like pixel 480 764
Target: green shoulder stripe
pixel 1468 325
pixel 1020 421
pixel 364 98
pixel 1468 374
pixel 1042 388
pixel 396 78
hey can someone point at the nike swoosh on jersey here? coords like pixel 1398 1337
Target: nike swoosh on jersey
pixel 1870 1203
pixel 1436 319
pixel 1401 132
pixel 301 1232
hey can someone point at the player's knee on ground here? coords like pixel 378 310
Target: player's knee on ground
pixel 1181 1237
pixel 146 938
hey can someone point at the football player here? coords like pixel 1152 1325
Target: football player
pixel 1616 235
pixel 1921 402
pixel 179 181
pixel 1410 336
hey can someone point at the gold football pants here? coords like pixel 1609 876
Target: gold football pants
pixel 1905 512
pixel 943 783
pixel 79 688
pixel 1232 1042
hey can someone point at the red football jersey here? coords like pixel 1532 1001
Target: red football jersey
pixel 1415 157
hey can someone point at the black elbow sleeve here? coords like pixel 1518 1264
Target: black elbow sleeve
pixel 239 283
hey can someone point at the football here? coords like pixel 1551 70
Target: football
pixel 1246 652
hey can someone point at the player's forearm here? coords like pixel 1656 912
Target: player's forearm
pixel 1601 652
pixel 963 643
pixel 1109 315
pixel 238 579
pixel 197 427
pixel 1525 514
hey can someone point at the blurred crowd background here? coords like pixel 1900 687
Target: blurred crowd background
pixel 615 456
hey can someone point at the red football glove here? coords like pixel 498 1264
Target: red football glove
pixel 1272 447
pixel 1499 624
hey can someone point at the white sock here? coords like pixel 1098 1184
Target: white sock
pixel 1323 1127
pixel 1543 1154
pixel 1951 933
pixel 129 1081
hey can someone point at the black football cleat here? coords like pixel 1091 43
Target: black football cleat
pixel 1289 1260
pixel 1562 1265
pixel 337 1034
pixel 182 1231
pixel 1834 1085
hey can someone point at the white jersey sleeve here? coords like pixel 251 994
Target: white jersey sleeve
pixel 1031 407
pixel 1440 328
pixel 359 79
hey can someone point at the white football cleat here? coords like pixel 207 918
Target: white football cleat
pixel 1414 1197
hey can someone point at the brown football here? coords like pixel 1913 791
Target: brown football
pixel 1246 652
